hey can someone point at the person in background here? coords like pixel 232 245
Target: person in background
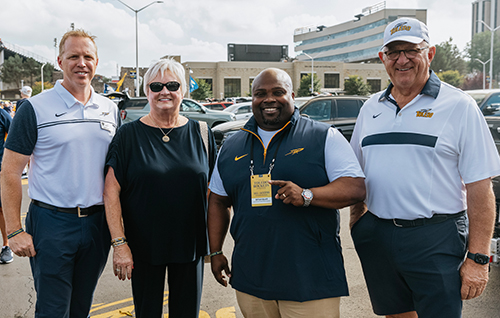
pixel 285 176
pixel 155 194
pixel 66 132
pixel 6 256
pixel 423 233
pixel 25 94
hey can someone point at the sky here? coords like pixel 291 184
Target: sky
pixel 199 30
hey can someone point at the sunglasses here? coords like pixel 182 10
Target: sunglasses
pixel 158 87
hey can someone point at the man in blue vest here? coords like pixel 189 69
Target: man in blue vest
pixel 285 176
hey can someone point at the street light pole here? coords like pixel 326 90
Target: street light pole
pixel 492 30
pixel 484 75
pixel 312 72
pixel 137 42
pixel 42 74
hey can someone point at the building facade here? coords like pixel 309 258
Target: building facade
pixel 229 79
pixel 354 41
pixel 481 11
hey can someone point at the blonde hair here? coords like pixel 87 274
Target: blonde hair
pixel 161 67
pixel 76 33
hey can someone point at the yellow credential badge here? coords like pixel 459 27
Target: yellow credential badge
pixel 261 190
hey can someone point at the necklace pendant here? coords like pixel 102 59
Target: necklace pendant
pixel 165 138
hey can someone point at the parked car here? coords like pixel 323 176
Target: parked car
pixel 218 105
pixel 132 108
pixel 488 101
pixel 340 111
pixel 241 110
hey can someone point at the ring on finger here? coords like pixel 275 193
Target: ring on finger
pixel 284 195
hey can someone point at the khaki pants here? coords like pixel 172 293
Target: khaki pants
pixel 253 307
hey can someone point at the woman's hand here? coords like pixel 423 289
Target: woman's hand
pixel 122 262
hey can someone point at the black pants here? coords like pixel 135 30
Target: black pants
pixel 185 281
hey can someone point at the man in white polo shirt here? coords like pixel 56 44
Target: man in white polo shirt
pixel 428 157
pixel 65 133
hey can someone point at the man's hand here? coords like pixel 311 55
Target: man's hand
pixel 357 211
pixel 22 245
pixel 474 278
pixel 122 262
pixel 289 192
pixel 219 263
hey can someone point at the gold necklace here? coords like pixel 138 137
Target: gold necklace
pixel 165 137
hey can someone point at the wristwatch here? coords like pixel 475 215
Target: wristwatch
pixel 479 258
pixel 308 196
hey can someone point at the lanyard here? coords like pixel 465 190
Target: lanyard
pixel 271 165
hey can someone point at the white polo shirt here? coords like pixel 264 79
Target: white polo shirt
pixel 68 143
pixel 418 160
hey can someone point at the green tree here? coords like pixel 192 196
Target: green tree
pixel 12 70
pixel 203 91
pixel 32 70
pixel 448 58
pixel 37 87
pixel 479 48
pixel 305 85
pixel 355 85
pixel 451 77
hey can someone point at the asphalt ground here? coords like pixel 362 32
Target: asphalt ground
pixel 113 298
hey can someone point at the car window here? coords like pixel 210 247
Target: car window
pixel 244 110
pixel 134 103
pixel 215 106
pixel 348 107
pixel 492 106
pixel 318 110
pixel 189 106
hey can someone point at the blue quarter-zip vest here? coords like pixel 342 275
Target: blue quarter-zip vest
pixel 282 252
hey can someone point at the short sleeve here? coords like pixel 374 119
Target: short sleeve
pixel 23 132
pixel 340 160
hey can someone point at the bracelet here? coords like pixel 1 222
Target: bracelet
pixel 215 253
pixel 11 235
pixel 118 241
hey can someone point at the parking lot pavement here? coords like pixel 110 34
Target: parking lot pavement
pixel 113 298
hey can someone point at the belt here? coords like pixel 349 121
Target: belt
pixel 436 218
pixel 82 212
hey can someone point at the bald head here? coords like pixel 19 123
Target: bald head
pixel 279 75
pixel 272 99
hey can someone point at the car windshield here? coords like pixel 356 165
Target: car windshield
pixel 234 108
pixel 231 108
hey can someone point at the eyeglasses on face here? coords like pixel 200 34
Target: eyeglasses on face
pixel 171 86
pixel 410 54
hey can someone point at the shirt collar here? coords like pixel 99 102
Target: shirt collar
pixel 251 124
pixel 70 100
pixel 431 88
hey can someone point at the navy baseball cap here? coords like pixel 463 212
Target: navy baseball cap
pixel 406 30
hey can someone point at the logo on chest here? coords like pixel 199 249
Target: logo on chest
pixel 294 151
pixel 425 113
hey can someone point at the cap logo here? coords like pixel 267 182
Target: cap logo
pixel 400 27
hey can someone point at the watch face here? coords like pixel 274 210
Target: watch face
pixel 308 194
pixel 482 259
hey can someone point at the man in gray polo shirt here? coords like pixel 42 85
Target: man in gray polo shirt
pixel 64 133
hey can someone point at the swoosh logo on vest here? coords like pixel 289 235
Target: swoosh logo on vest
pixel 238 158
pixel 375 116
pixel 294 151
pixel 59 115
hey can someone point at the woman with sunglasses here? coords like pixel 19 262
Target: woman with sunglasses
pixel 156 197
